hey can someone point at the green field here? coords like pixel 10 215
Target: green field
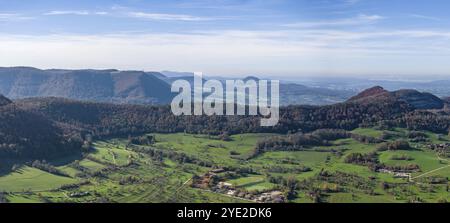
pixel 114 171
pixel 31 179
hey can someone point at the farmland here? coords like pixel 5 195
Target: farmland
pixel 202 168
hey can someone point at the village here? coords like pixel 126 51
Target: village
pixel 441 147
pixel 396 174
pixel 213 182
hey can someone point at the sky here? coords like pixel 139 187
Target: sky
pixel 372 38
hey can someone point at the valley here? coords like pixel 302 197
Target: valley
pixel 224 110
pixel 200 168
pixel 377 147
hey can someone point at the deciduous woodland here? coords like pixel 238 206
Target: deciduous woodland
pixel 377 147
pixel 41 127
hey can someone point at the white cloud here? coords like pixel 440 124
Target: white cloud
pixel 351 2
pixel 101 13
pixel 418 16
pixel 75 12
pixel 361 19
pixel 239 52
pixel 168 17
pixel 124 12
pixel 13 17
pixel 68 12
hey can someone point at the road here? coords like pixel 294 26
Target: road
pixel 432 171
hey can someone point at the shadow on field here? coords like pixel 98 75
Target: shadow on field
pixel 9 165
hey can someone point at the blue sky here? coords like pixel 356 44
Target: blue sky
pixel 231 37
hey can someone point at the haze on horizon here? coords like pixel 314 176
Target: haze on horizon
pixel 382 38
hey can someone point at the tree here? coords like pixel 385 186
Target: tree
pixel 291 184
pixel 3 198
pixel 225 137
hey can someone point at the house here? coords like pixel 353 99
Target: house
pixel 217 171
pixel 224 185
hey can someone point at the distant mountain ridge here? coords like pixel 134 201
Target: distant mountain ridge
pixel 93 85
pixel 290 93
pixel 416 99
pixel 4 100
pixel 39 128
pixel 371 92
pixel 447 100
pixel 136 87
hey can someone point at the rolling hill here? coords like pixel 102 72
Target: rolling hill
pixel 136 87
pixel 50 127
pixel 27 135
pixel 91 85
pixel 416 99
pixel 4 100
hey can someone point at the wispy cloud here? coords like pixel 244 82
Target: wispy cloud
pixel 237 51
pixel 101 13
pixel 167 17
pixel 418 16
pixel 351 2
pixel 75 12
pixel 70 12
pixel 13 17
pixel 126 12
pixel 361 19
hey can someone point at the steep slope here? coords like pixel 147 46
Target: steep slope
pixel 27 135
pixel 419 100
pixel 91 85
pixel 20 82
pixel 4 100
pixel 131 86
pixel 376 91
pixel 37 124
pixel 79 84
pixel 416 99
pixel 140 87
pixel 101 119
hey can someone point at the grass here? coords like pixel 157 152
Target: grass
pixel 206 148
pixel 91 165
pixel 427 160
pixel 353 146
pixel 368 132
pixel 110 153
pixel 162 180
pixel 252 183
pixel 31 179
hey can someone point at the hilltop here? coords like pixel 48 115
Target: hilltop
pixel 91 85
pixel 27 135
pixel 354 148
pixel 40 127
pixel 136 87
pixel 4 100
pixel 416 99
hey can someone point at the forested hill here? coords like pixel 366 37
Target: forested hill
pixel 110 119
pixel 125 87
pixel 418 100
pixel 38 127
pixel 4 100
pixel 91 85
pixel 26 134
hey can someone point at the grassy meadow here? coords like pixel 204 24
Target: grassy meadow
pixel 114 171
